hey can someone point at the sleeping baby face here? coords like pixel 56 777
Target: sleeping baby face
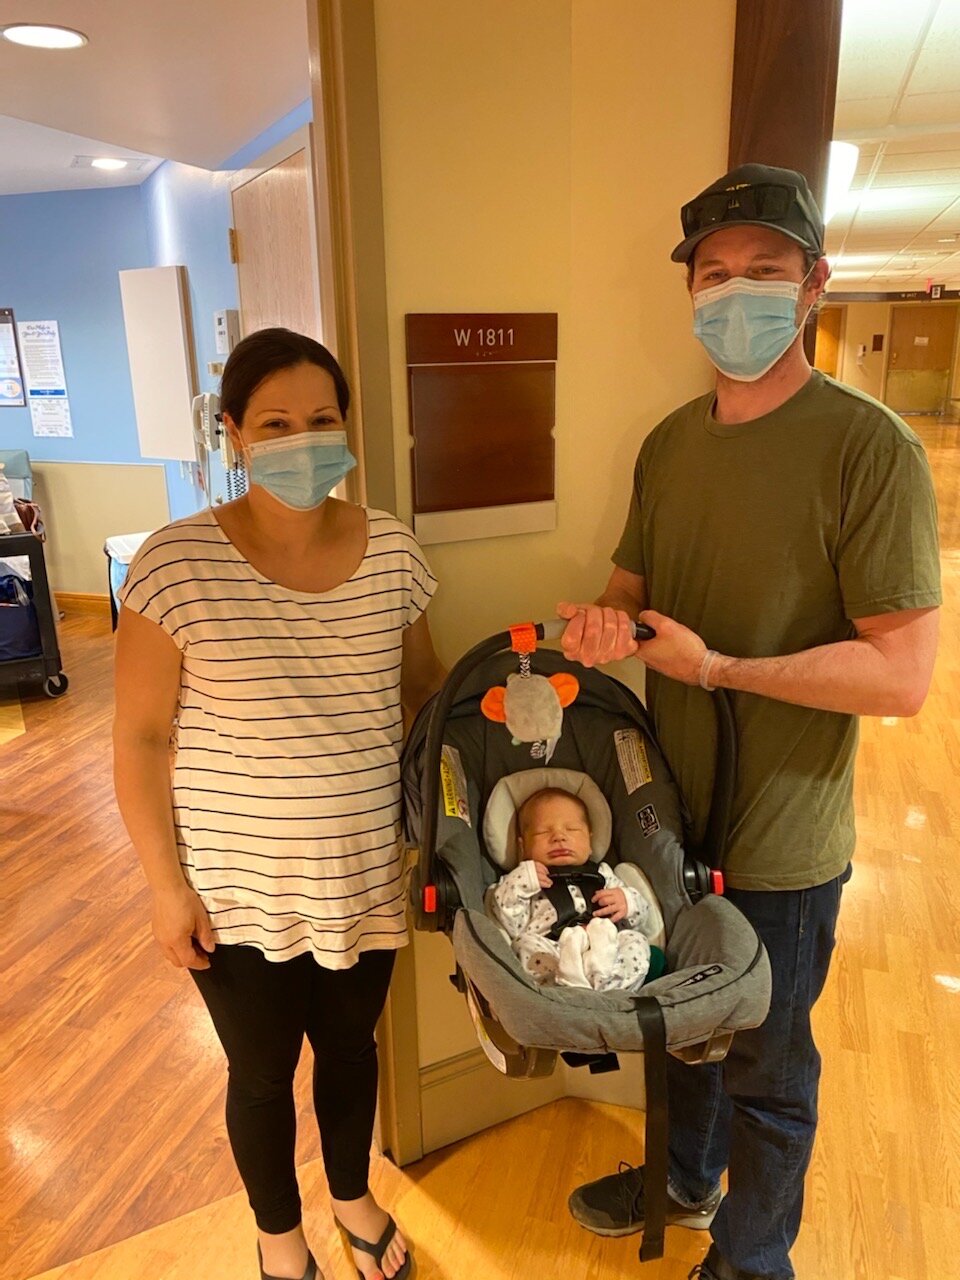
pixel 554 830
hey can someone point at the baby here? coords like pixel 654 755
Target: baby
pixel 562 915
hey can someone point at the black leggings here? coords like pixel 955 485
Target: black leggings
pixel 261 1011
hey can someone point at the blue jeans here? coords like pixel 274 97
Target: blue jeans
pixel 756 1113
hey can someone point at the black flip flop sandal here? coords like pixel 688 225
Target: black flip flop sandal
pixel 376 1251
pixel 311 1272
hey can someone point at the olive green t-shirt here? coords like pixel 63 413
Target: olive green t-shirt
pixel 766 538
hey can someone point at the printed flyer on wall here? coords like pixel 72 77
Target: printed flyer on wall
pixel 11 375
pixel 46 383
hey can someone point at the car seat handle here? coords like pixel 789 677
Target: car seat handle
pixel 555 627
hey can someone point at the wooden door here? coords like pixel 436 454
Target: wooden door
pixel 276 248
pixel 922 346
pixel 829 324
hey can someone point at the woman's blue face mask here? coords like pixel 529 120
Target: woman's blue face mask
pixel 747 325
pixel 301 470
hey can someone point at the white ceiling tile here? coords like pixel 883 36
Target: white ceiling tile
pixel 936 69
pixel 930 108
pixel 864 114
pixel 920 199
pixel 877 38
pixel 920 144
pixel 926 179
pixel 946 223
pixel 915 161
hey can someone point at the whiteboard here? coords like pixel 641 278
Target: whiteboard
pixel 162 366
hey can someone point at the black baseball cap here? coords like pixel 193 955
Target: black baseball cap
pixel 757 195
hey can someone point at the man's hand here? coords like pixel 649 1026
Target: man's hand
pixel 675 650
pixel 611 903
pixel 181 927
pixel 596 634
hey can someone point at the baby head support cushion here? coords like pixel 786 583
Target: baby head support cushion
pixel 500 816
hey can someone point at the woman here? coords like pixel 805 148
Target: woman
pixel 286 633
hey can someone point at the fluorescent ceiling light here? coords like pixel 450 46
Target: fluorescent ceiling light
pixel 108 162
pixel 842 167
pixel 43 36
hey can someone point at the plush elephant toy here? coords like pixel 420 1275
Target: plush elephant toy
pixel 531 707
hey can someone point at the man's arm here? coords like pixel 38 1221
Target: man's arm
pixel 602 632
pixel 884 671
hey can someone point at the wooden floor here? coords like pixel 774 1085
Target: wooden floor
pixel 111 1083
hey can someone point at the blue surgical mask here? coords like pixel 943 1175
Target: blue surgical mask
pixel 301 470
pixel 747 325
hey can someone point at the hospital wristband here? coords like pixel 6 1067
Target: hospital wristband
pixel 705 666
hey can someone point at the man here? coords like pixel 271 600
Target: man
pixel 781 542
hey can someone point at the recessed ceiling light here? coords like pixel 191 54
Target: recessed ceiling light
pixel 946 240
pixel 108 162
pixel 43 35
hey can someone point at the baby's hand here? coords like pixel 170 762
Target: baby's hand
pixel 611 903
pixel 543 876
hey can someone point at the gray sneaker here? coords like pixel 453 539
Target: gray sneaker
pixel 613 1206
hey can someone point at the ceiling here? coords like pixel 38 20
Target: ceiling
pixel 35 158
pixel 898 99
pixel 178 80
pixel 194 82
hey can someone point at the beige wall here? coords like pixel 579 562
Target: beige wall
pixel 863 320
pixel 83 504
pixel 535 154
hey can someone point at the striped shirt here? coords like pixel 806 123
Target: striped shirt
pixel 286 788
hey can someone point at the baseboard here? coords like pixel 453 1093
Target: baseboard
pixel 82 602
pixel 465 1094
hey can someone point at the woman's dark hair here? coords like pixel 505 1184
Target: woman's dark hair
pixel 266 352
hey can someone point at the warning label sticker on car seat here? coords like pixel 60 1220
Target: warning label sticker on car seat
pixel 453 781
pixel 632 754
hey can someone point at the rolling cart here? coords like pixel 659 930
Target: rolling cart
pixel 45 665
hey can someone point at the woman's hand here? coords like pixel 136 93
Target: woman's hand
pixel 181 927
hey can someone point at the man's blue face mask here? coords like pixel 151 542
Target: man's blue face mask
pixel 747 325
pixel 301 470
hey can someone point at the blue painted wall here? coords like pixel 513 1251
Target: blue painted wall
pixel 300 115
pixel 59 257
pixel 187 216
pixel 60 253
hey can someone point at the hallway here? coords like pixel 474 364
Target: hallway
pixel 111 1082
